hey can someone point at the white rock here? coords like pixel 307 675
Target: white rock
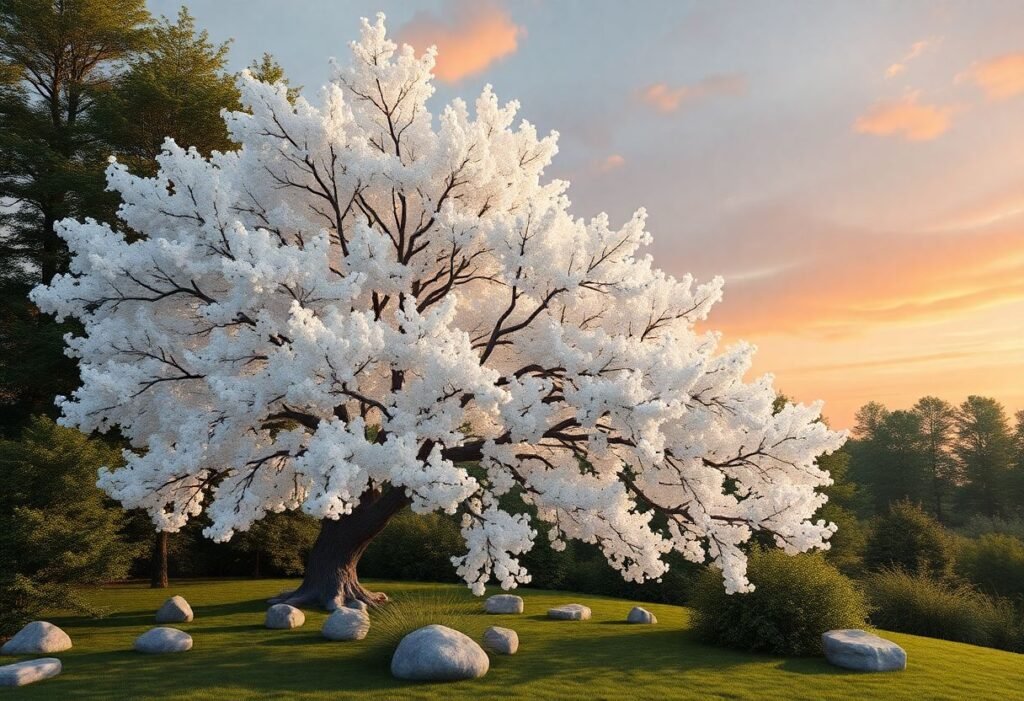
pixel 570 612
pixel 641 615
pixel 346 624
pixel 37 638
pixel 857 649
pixel 504 641
pixel 160 640
pixel 438 653
pixel 174 610
pixel 284 616
pixel 357 605
pixel 29 671
pixel 504 603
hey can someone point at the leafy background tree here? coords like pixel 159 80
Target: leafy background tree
pixel 55 60
pixel 57 529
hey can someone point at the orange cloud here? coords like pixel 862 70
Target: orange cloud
pixel 905 117
pixel 471 37
pixel 1001 77
pixel 667 99
pixel 611 163
pixel 916 49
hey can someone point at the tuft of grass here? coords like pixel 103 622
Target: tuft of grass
pixel 410 610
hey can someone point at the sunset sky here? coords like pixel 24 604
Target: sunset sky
pixel 855 170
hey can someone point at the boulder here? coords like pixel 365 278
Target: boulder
pixel 29 671
pixel 570 612
pixel 37 638
pixel 504 641
pixel 639 614
pixel 283 617
pixel 346 624
pixel 857 649
pixel 504 603
pixel 437 653
pixel 357 605
pixel 174 610
pixel 160 640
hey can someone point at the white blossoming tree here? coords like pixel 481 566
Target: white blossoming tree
pixel 361 304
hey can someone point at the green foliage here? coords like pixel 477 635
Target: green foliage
pixel 889 456
pixel 796 599
pixel 55 60
pixel 409 611
pixel 908 538
pixel 57 529
pixel 984 448
pixel 176 88
pixel 923 605
pixel 416 547
pixel 994 562
pixel 268 70
pixel 279 543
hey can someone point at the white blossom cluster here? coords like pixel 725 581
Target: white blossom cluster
pixel 366 297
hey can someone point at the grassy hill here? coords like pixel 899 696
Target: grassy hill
pixel 234 657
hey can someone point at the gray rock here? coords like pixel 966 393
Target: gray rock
pixel 639 614
pixel 174 610
pixel 29 671
pixel 437 653
pixel 160 640
pixel 284 616
pixel 504 603
pixel 357 605
pixel 38 637
pixel 346 624
pixel 570 612
pixel 504 641
pixel 857 649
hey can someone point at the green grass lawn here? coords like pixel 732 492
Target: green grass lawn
pixel 235 657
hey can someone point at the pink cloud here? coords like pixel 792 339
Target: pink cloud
pixel 611 163
pixel 469 38
pixel 1001 77
pixel 665 98
pixel 906 117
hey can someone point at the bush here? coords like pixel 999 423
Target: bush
pixel 57 529
pixel 923 605
pixel 907 538
pixel 414 547
pixel 796 599
pixel 994 562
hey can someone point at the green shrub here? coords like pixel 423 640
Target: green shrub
pixel 979 525
pixel 909 539
pixel 415 547
pixel 994 562
pixel 57 529
pixel 796 599
pixel 923 605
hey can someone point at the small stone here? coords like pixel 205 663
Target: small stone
pixel 157 641
pixel 346 624
pixel 438 653
pixel 37 638
pixel 641 615
pixel 357 605
pixel 30 671
pixel 857 649
pixel 174 610
pixel 570 612
pixel 284 617
pixel 504 603
pixel 504 641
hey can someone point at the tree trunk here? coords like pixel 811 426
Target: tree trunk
pixel 331 579
pixel 159 562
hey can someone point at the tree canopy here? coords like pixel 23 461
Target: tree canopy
pixel 360 299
